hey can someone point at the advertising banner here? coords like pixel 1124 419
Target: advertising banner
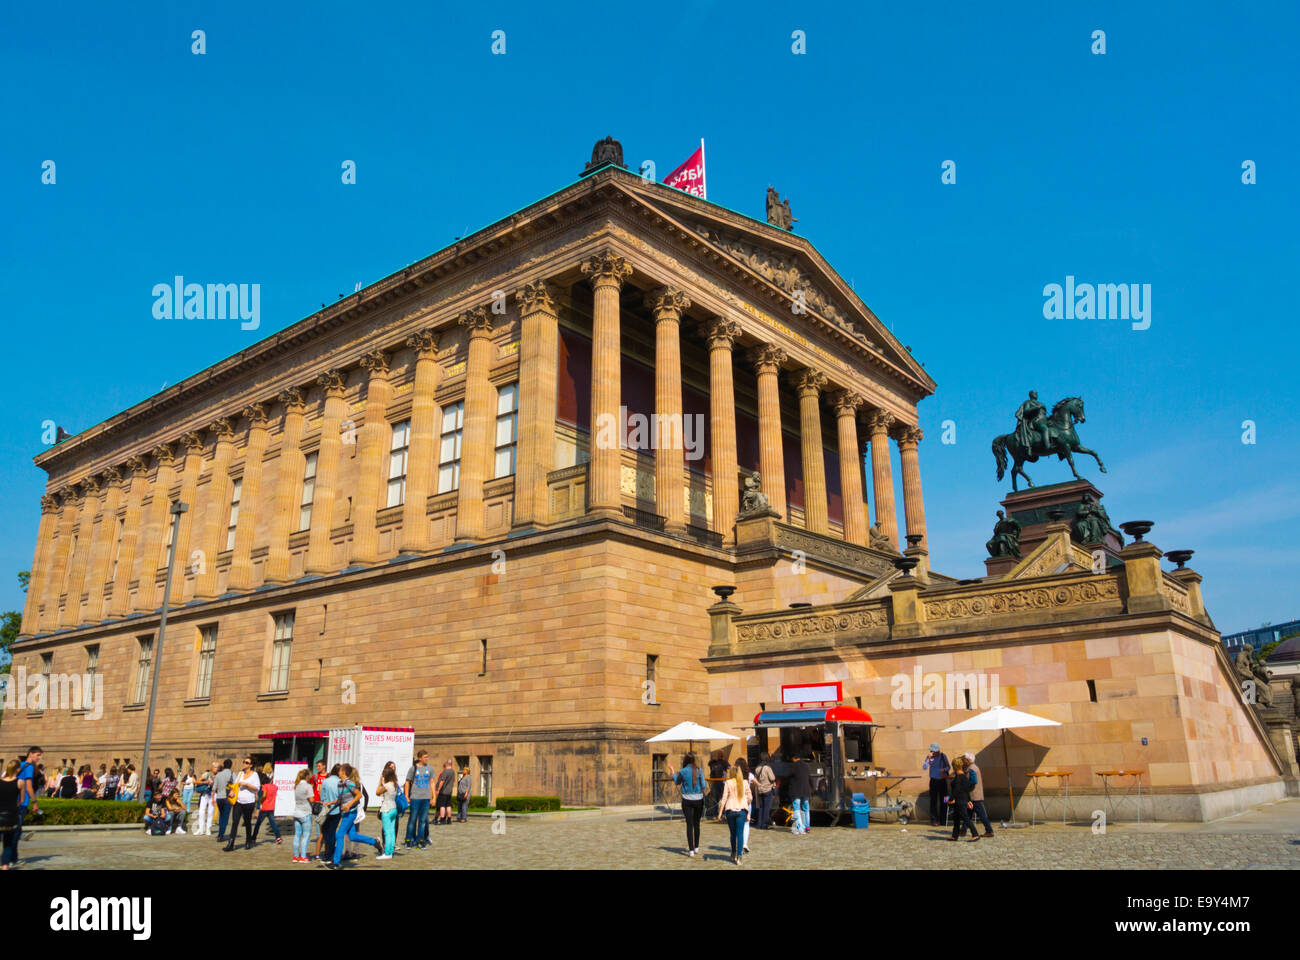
pixel 284 775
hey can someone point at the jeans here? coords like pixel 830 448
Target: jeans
pixel 693 811
pixel 329 832
pixel 206 809
pixel 938 809
pixel 800 808
pixel 417 823
pixel 243 811
pixel 735 825
pixel 765 809
pixel 266 815
pixel 301 835
pixel 10 839
pixel 124 796
pixel 389 820
pixel 464 809
pixel 983 816
pixel 186 796
pixel 348 829
pixel 223 817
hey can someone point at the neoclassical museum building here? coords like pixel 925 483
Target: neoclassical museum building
pixel 488 496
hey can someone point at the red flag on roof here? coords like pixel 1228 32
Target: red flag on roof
pixel 690 175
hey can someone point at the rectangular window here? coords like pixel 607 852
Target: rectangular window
pixel 236 489
pixel 651 678
pixel 485 777
pixel 453 423
pixel 92 659
pixel 308 493
pixel 207 655
pixel 282 646
pixel 143 665
pixel 397 452
pixel 47 667
pixel 507 429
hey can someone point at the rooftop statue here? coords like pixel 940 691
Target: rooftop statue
pixel 778 211
pixel 1040 434
pixel 754 502
pixel 1091 524
pixel 1006 538
pixel 605 151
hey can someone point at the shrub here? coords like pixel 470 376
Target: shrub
pixel 528 804
pixel 59 812
pixel 479 803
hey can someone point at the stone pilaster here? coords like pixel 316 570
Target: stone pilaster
pixel 539 333
pixel 334 384
pixel 855 505
pixel 810 384
pixel 67 527
pixel 31 623
pixel 153 542
pixel 190 472
pixel 250 498
pixel 476 446
pixel 604 487
pixel 666 306
pixel 131 536
pixel 882 473
pixel 288 487
pixel 722 335
pixel 102 549
pixel 80 559
pixel 771 456
pixel 422 455
pixel 216 515
pixel 373 440
pixel 913 503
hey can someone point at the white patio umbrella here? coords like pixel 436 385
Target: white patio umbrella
pixel 1002 719
pixel 688 732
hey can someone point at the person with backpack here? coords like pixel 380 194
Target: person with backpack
pixel 462 797
pixel 328 819
pixel 692 782
pixel 388 791
pixel 351 799
pixel 221 796
pixel 444 786
pixel 765 787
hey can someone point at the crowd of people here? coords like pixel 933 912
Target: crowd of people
pixel 328 804
pixel 957 785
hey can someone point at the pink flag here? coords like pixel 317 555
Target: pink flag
pixel 690 175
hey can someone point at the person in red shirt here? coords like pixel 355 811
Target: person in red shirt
pixel 266 810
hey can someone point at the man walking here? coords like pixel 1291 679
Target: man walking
pixel 977 795
pixel 766 778
pixel 329 816
pixel 937 766
pixel 418 787
pixel 220 789
pixel 27 803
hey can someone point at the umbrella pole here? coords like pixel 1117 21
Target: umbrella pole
pixel 1007 763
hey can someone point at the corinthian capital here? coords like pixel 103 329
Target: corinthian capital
pixel 908 436
pixel 112 476
pixel 667 303
pixel 477 320
pixel 846 403
pixel 810 382
pixel 721 333
pixel 224 428
pixel 164 454
pixel 376 362
pixel 424 343
pixel 607 268
pixel 879 422
pixel 293 399
pixel 49 503
pixel 192 441
pixel 768 357
pixel 536 295
pixel 256 415
pixel 333 382
pixel 137 466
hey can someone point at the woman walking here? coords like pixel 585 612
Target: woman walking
pixel 750 779
pixel 207 803
pixel 692 783
pixel 247 786
pixel 959 791
pixel 387 794
pixel 350 798
pixel 303 791
pixel 9 829
pixel 734 805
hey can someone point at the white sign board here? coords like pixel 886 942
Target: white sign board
pixel 283 776
pixel 810 693
pixel 369 749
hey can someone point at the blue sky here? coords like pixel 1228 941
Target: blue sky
pixel 1118 168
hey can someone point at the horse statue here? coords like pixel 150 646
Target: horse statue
pixel 1039 436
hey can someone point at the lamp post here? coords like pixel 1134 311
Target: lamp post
pixel 177 508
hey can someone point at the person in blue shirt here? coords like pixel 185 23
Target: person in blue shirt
pixel 938 767
pixel 27 804
pixel 691 780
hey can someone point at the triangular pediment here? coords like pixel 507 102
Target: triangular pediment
pixel 1057 554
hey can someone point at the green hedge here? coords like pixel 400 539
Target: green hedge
pixel 57 812
pixel 480 803
pixel 528 804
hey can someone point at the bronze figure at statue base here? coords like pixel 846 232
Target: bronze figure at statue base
pixel 1076 503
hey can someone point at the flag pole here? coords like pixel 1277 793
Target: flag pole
pixel 704 170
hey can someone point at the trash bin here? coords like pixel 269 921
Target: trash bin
pixel 861 811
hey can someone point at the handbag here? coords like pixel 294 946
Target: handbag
pixel 402 803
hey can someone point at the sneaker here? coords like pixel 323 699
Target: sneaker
pixel 747 849
pixel 180 829
pixel 690 853
pixel 384 856
pixel 277 839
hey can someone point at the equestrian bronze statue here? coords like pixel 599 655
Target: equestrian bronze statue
pixel 1041 434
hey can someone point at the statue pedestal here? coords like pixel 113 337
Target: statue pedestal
pixel 1030 507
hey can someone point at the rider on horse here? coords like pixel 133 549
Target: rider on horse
pixel 1031 422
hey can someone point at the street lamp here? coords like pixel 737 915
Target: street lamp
pixel 177 508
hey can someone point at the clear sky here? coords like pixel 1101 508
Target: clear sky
pixel 1117 168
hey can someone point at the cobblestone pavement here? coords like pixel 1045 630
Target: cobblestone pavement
pixel 1268 837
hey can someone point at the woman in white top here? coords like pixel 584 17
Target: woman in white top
pixel 388 808
pixel 734 805
pixel 250 784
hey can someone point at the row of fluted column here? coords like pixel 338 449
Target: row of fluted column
pixel 90 509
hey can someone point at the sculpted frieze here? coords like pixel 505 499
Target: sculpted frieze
pixel 1100 590
pixel 841 623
